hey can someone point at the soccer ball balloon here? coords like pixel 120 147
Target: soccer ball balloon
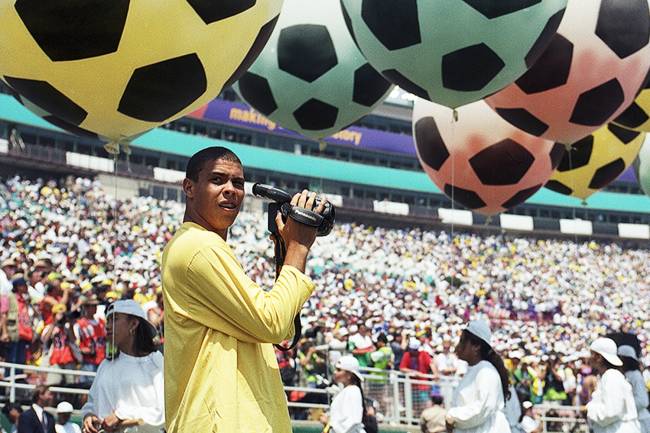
pixel 311 77
pixel 596 161
pixel 637 115
pixel 56 121
pixel 590 73
pixel 119 68
pixel 481 161
pixel 453 52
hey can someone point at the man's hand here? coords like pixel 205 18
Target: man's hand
pixel 91 424
pixel 298 238
pixel 111 423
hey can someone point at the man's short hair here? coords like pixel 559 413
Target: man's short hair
pixel 38 392
pixel 198 160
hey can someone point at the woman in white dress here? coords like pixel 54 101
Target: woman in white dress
pixel 127 393
pixel 479 400
pixel 632 370
pixel 348 407
pixel 612 408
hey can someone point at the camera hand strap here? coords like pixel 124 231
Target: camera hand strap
pixel 302 215
pixel 280 252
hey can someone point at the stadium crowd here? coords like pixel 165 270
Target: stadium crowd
pixel 395 299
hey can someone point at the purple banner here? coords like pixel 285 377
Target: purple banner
pixel 370 139
pixel 236 113
pixel 628 176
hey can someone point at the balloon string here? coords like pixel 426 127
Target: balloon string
pixel 453 198
pixel 575 217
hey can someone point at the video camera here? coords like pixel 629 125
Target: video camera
pixel 324 222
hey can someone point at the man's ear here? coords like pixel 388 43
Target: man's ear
pixel 188 187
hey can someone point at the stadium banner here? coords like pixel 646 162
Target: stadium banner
pixel 240 114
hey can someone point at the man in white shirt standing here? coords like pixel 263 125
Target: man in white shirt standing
pixel 35 419
pixel 63 415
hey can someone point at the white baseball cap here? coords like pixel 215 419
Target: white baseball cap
pixel 132 308
pixel 64 407
pixel 481 329
pixel 414 344
pixel 349 363
pixel 527 405
pixel 606 347
pixel 628 352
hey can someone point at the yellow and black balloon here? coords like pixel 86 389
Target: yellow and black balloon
pixel 596 161
pixel 637 116
pixel 119 68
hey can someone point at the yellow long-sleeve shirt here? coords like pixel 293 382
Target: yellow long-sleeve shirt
pixel 221 374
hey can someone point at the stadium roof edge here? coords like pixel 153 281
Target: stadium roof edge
pixel 166 141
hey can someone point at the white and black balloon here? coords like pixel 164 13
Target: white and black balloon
pixel 311 77
pixel 453 52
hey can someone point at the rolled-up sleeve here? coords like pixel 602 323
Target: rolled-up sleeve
pixel 222 297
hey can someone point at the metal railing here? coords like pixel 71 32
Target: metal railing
pixel 561 419
pixel 399 398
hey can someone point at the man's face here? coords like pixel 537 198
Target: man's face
pixel 46 399
pixel 217 195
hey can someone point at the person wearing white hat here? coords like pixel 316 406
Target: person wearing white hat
pixel 479 400
pixel 612 408
pixel 528 423
pixel 348 410
pixel 632 370
pixel 127 393
pixel 63 414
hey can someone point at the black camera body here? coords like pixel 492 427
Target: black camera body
pixel 323 222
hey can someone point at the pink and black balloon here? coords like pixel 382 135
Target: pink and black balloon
pixel 481 161
pixel 591 73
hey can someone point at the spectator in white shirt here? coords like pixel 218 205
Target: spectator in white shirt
pixel 347 411
pixel 612 408
pixel 528 423
pixel 632 370
pixel 127 394
pixel 479 401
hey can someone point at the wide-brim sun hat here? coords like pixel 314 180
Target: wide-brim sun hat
pixel 350 364
pixel 481 329
pixel 606 347
pixel 132 308
pixel 628 352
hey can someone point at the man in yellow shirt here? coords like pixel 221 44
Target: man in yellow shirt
pixel 221 374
